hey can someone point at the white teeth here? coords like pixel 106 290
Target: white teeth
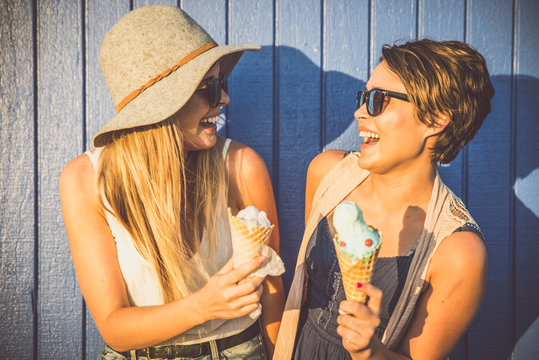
pixel 212 120
pixel 368 134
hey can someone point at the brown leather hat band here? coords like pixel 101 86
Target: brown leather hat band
pixel 164 74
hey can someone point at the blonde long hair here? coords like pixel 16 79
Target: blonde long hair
pixel 165 197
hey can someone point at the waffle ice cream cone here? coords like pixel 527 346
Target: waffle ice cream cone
pixel 250 232
pixel 354 271
pixel 357 245
pixel 247 241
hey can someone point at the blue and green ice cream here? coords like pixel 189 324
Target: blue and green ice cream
pixel 354 237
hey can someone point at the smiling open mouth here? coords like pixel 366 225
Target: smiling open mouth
pixel 369 137
pixel 209 122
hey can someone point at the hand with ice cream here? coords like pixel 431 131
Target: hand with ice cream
pixel 357 245
pixel 251 231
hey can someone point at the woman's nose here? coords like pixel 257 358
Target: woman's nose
pixel 361 112
pixel 225 99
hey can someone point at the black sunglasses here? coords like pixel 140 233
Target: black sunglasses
pixel 375 99
pixel 214 87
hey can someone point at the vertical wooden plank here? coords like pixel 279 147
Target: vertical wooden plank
pixel 391 21
pixel 489 29
pixel 101 15
pixel 441 19
pixel 346 70
pixel 140 3
pixel 250 112
pixel 298 37
pixel 437 23
pixel 526 187
pixel 211 15
pixel 60 122
pixel 17 196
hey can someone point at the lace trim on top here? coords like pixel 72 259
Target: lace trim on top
pixel 458 212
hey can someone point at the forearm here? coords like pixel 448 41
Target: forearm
pixel 223 297
pixel 138 327
pixel 272 301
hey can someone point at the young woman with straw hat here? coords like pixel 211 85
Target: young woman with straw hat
pixel 146 210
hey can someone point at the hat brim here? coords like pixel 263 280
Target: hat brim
pixel 167 96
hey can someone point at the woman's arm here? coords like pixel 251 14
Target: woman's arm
pixel 456 282
pixel 94 255
pixel 250 184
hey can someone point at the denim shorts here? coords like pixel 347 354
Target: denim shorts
pixel 251 349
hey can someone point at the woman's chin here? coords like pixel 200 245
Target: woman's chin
pixel 201 143
pixel 365 162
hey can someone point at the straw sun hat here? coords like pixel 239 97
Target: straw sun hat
pixel 153 59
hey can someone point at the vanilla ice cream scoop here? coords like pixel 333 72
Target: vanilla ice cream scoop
pixel 250 232
pixel 252 217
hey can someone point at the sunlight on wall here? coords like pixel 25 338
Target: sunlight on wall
pixel 527 190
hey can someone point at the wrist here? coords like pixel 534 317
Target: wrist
pixel 371 351
pixel 362 354
pixel 197 308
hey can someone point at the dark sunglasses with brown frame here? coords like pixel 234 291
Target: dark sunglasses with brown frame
pixel 213 88
pixel 375 99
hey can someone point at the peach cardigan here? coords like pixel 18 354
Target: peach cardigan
pixel 446 213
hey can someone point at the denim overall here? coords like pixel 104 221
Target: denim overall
pixel 318 338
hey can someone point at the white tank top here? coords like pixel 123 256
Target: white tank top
pixel 142 281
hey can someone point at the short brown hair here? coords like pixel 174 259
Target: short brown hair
pixel 444 77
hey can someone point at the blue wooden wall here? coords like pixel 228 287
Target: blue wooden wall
pixel 290 101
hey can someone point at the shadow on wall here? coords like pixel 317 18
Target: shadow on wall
pixel 252 88
pixel 301 105
pixel 526 191
pixel 314 111
pixel 514 254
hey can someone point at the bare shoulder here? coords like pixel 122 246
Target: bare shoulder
pixel 249 180
pixel 78 191
pixel 461 254
pixel 322 163
pixel 318 169
pixel 77 175
pixel 242 159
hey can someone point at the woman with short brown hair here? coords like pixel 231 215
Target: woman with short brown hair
pixel 423 102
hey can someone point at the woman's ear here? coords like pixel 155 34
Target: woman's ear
pixel 439 124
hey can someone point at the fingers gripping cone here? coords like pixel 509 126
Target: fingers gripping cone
pixel 247 242
pixel 355 270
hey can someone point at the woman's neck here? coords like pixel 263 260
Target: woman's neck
pixel 395 191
